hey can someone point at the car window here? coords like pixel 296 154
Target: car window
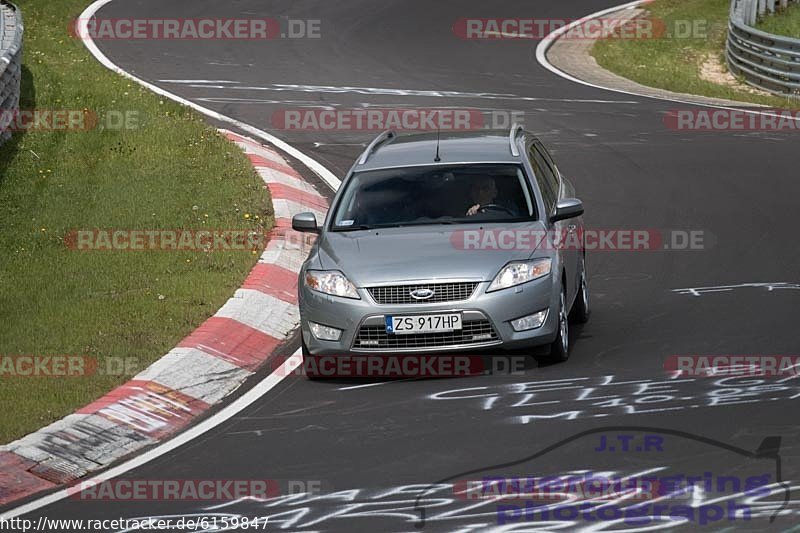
pixel 547 156
pixel 434 195
pixel 545 177
pixel 551 174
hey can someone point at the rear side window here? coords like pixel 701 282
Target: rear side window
pixel 551 174
pixel 545 177
pixel 546 154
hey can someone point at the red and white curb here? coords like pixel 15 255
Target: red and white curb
pixel 204 368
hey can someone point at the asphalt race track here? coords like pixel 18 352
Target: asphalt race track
pixel 373 447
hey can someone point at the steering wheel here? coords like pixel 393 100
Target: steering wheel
pixel 495 207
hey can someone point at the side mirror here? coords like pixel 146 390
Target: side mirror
pixel 305 222
pixel 567 208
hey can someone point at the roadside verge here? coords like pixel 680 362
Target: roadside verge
pixel 573 56
pixel 207 366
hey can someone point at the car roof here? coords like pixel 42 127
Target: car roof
pixel 485 146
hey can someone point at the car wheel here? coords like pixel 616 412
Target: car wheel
pixel 559 349
pixel 580 309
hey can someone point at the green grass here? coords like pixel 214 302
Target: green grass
pixel 174 171
pixel 674 63
pixel 784 22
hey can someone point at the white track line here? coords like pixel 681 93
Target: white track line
pixel 307 160
pixel 548 41
pixel 552 37
pixel 263 387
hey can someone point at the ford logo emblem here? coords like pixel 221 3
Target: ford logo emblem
pixel 422 294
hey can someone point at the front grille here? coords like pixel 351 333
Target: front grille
pixel 376 338
pixel 442 292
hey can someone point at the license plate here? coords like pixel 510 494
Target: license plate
pixel 404 325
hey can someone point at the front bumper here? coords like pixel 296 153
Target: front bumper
pixel 483 314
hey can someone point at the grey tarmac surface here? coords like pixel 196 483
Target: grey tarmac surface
pixel 376 446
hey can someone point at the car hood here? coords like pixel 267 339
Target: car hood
pixel 392 255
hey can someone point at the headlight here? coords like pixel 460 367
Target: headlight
pixel 331 282
pixel 516 273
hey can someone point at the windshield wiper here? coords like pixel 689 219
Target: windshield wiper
pixel 360 227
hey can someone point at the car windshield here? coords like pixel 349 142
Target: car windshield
pixel 434 195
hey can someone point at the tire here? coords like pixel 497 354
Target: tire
pixel 559 349
pixel 580 309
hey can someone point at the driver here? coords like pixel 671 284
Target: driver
pixel 483 192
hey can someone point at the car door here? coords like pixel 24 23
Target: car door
pixel 551 186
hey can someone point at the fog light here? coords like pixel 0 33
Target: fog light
pixel 529 322
pixel 324 333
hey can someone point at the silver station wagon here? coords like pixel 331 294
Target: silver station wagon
pixel 446 243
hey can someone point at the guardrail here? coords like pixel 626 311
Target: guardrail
pixel 766 61
pixel 11 30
